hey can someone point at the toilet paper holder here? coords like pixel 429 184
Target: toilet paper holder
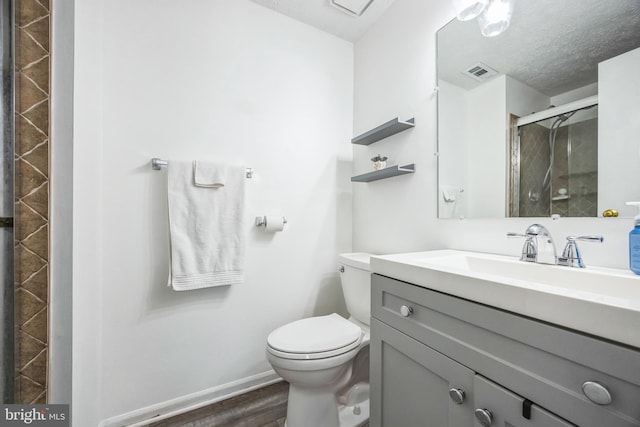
pixel 261 221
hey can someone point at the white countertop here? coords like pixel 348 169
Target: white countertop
pixel 598 301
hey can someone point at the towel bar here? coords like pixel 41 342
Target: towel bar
pixel 157 164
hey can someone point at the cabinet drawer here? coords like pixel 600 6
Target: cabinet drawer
pixel 545 364
pixel 506 408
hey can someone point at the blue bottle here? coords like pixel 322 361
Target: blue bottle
pixel 634 242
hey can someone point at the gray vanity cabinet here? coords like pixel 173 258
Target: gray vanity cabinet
pixel 415 383
pixel 438 360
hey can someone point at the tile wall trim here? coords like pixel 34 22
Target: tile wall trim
pixel 31 184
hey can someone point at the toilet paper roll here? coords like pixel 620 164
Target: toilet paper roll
pixel 273 223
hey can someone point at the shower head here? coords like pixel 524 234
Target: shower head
pixel 562 118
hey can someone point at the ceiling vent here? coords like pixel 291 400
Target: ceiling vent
pixel 352 7
pixel 480 72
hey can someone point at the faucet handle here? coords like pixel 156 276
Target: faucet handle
pixel 571 256
pixel 512 234
pixel 532 231
pixel 530 247
pixel 598 239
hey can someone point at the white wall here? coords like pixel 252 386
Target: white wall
pixel 206 79
pixel 487 149
pixel 395 71
pixel 393 63
pixel 61 269
pixel 575 95
pixel 619 129
pixel 87 203
pixel 523 100
pixel 453 144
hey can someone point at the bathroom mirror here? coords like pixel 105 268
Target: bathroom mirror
pixel 543 119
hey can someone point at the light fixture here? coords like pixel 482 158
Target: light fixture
pixel 495 18
pixel 469 9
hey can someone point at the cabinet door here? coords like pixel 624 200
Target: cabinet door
pixel 506 408
pixel 410 383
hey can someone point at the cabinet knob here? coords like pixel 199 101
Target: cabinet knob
pixel 457 395
pixel 484 416
pixel 596 392
pixel 406 311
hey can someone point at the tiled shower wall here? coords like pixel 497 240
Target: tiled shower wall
pixel 534 161
pixel 32 199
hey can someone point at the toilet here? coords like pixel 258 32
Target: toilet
pixel 325 359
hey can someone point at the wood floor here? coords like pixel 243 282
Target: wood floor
pixel 265 407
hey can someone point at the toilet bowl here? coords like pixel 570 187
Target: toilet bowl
pixel 316 356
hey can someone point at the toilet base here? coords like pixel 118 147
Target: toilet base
pixel 350 409
pixel 347 417
pixel 354 416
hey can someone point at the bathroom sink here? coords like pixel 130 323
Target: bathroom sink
pixel 599 301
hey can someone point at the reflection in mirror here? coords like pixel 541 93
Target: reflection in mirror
pixel 542 119
pixel 555 164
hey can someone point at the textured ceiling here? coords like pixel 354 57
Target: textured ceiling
pixel 553 46
pixel 322 15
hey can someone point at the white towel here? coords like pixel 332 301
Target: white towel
pixel 205 226
pixel 208 175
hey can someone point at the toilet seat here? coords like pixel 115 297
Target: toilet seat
pixel 314 338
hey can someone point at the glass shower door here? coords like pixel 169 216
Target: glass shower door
pixel 556 172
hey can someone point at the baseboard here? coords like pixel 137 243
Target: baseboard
pixel 181 405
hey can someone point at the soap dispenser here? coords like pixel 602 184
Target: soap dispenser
pixel 634 241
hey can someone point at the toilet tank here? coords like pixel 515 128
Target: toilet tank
pixel 356 284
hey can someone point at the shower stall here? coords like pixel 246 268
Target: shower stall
pixel 554 162
pixel 7 349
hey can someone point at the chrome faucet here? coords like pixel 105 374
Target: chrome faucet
pixel 531 252
pixel 538 245
pixel 571 256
